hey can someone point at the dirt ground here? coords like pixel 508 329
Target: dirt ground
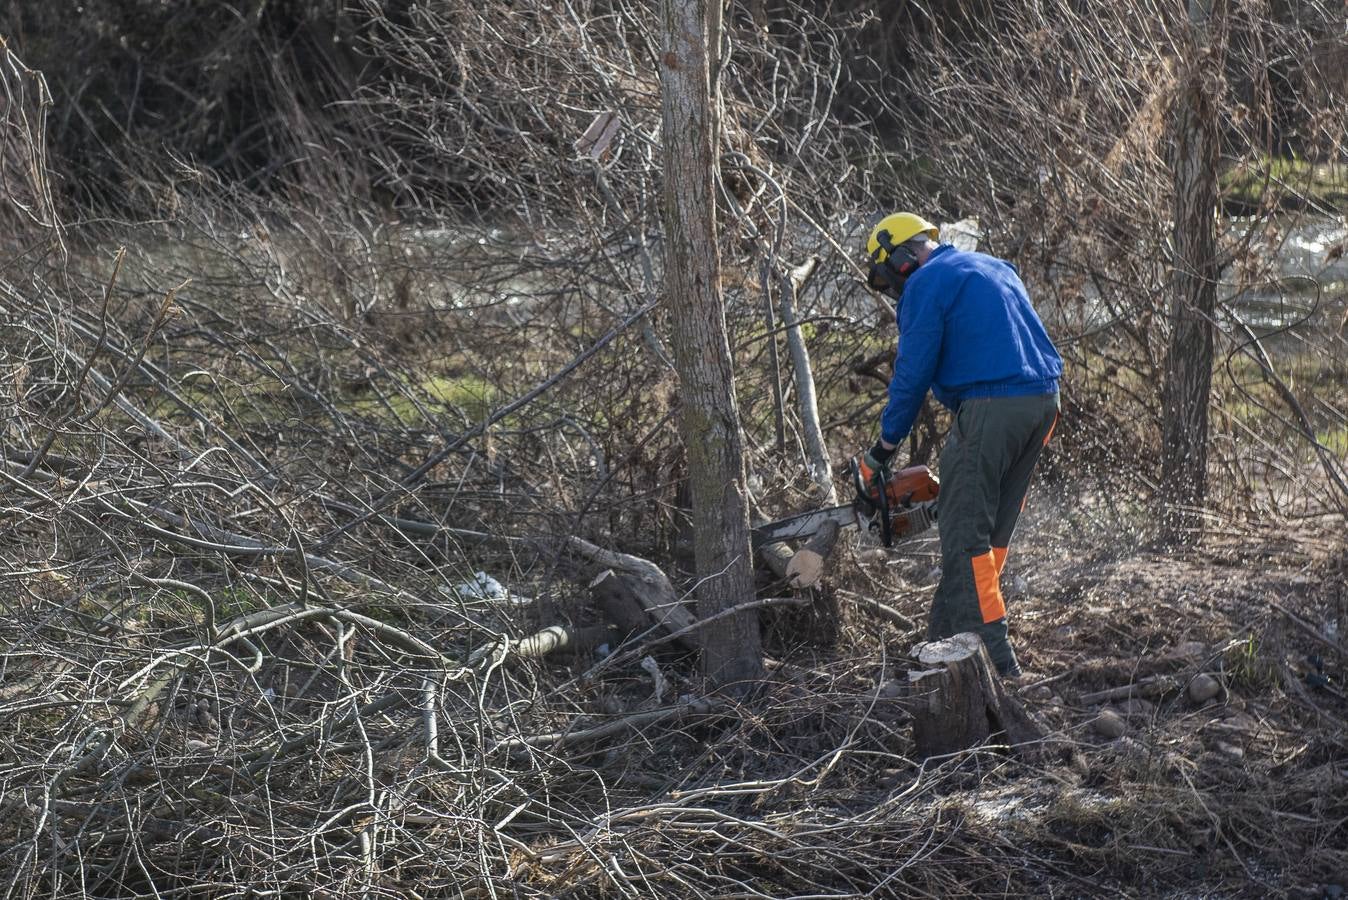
pixel 1226 775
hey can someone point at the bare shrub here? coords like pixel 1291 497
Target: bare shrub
pixel 253 466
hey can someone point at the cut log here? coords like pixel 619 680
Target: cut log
pixel 776 557
pixel 685 709
pixel 1152 686
pixel 633 592
pixel 548 640
pixel 817 625
pixel 807 565
pixel 804 567
pixel 559 637
pixel 958 701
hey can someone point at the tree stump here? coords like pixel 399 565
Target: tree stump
pixel 958 701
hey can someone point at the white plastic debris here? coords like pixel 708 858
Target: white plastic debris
pixel 964 234
pixel 484 587
pixel 481 587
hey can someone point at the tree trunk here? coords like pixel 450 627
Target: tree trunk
pixel 1188 375
pixel 709 424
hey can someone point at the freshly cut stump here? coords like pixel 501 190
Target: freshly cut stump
pixel 959 702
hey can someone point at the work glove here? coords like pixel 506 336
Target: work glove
pixel 877 458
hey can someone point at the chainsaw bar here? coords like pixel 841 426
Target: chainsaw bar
pixel 806 524
pixel 895 506
pixel 905 523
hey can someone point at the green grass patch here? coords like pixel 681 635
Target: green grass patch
pixel 172 608
pixel 1335 440
pixel 1283 181
pixel 475 396
pixel 470 396
pixel 1247 668
pixel 223 399
pixel 232 602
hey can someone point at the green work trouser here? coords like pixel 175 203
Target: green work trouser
pixel 986 465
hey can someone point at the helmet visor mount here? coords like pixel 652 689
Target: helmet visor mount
pixel 890 267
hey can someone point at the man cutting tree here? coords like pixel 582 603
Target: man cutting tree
pixel 967 332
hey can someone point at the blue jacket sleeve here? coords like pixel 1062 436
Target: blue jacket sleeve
pixel 921 325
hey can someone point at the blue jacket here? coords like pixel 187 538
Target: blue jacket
pixel 966 329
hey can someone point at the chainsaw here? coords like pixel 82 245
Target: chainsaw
pixel 895 509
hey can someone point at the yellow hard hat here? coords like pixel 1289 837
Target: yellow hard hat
pixel 902 226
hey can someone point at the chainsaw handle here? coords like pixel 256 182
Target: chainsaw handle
pixel 881 476
pixel 870 485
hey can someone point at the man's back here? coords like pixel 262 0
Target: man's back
pixel 992 343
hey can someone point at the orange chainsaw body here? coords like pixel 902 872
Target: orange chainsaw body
pixel 905 487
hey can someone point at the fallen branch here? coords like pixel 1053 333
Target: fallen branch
pixel 255 623
pixel 880 609
pixel 645 646
pixel 1151 686
pixel 413 478
pixel 222 541
pixel 549 640
pixel 1308 628
pixel 637 581
pixel 695 707
pixel 558 637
